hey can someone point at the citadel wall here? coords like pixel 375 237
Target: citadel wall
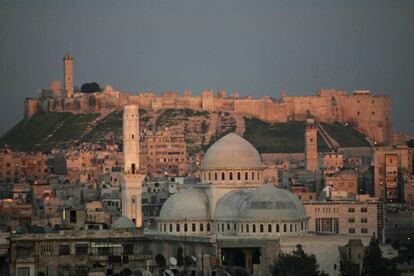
pixel 369 113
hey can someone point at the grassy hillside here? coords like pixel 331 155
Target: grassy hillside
pixel 45 131
pixel 278 137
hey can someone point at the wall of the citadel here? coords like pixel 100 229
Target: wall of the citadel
pixel 369 113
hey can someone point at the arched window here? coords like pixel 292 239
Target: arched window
pixel 208 227
pixel 252 175
pixel 301 225
pixel 209 176
pixel 223 176
pixel 284 228
pixel 290 228
pixel 246 176
pixel 222 227
pixel 185 227
pixel 228 226
pixel 277 228
pixel 269 228
pixel 231 176
pixel 201 227
pixel 247 228
pixel 193 227
pixel 177 227
pixel 234 226
pixel 215 176
pixel 261 228
pixel 258 175
pixel 241 225
pixel 165 227
pixel 170 227
pixel 254 228
pixel 238 176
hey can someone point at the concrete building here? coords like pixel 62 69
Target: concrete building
pixel 392 166
pixel 364 218
pixel 133 177
pixel 343 181
pixel 164 153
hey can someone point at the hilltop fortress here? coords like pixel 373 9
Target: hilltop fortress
pixel 368 113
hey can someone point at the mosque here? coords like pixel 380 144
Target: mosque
pixel 232 217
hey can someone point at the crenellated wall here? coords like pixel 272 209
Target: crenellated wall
pixel 370 114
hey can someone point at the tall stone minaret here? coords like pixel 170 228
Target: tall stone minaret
pixel 311 145
pixel 68 75
pixel 132 178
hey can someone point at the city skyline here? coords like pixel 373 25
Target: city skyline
pixel 256 50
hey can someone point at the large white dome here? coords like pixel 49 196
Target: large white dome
pixel 187 204
pixel 266 203
pixel 231 152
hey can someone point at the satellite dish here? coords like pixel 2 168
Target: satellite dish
pixel 173 261
pixel 160 260
pixel 169 272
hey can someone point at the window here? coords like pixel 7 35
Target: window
pixel 215 176
pixel 208 227
pixel 351 210
pixel 223 176
pixel 351 230
pixel 364 210
pixel 193 227
pixel 290 228
pixel 64 269
pixel 222 227
pixel 177 227
pixel 47 249
pixel 238 176
pixel 277 228
pixel 284 228
pixel 64 249
pixel 252 175
pixel 351 220
pixel 231 176
pixel 364 220
pixel 209 176
pixel 81 249
pixel 128 249
pixel 201 227
pixel 165 227
pixel 241 225
pixel 269 228
pixel 261 228
pixel 185 227
pixel 170 227
pixel 247 228
pixel 246 176
pixel 364 230
pixel 228 226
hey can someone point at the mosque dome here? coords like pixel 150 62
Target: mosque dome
pixel 187 204
pixel 266 203
pixel 231 152
pixel 123 223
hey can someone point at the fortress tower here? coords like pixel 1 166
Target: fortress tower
pixel 68 74
pixel 311 145
pixel 132 178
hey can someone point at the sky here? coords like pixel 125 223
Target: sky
pixel 257 48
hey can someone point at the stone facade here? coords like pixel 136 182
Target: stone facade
pixel 311 146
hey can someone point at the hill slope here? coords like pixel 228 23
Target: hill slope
pixel 45 131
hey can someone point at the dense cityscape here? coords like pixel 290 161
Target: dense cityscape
pixel 204 185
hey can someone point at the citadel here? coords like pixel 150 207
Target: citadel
pixel 370 114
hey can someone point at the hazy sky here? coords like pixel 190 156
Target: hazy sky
pixel 257 47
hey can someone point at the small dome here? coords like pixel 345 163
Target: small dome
pixel 231 152
pixel 264 203
pixel 187 204
pixel 123 223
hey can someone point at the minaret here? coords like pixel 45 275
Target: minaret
pixel 311 145
pixel 132 178
pixel 68 75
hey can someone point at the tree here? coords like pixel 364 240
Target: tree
pixel 297 263
pixel 90 87
pixel 376 265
